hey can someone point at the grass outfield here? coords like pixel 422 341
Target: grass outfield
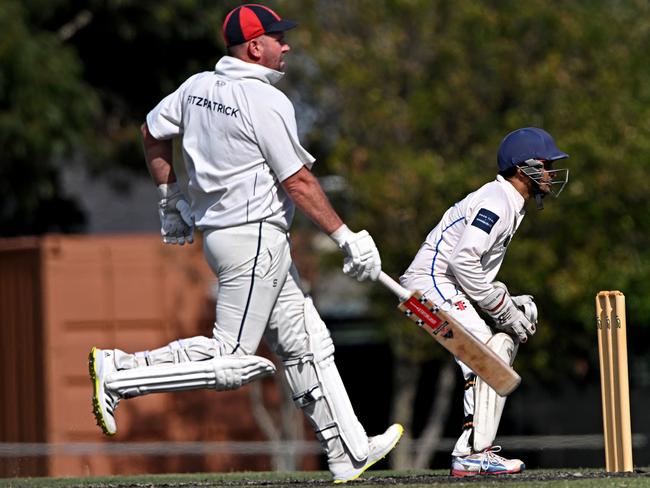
pixel 573 478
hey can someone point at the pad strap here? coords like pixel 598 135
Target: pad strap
pixel 307 397
pixel 328 432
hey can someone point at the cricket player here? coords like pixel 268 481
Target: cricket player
pixel 456 268
pixel 247 173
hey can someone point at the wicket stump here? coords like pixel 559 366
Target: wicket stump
pixel 615 389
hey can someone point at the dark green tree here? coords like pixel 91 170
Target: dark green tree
pixel 46 110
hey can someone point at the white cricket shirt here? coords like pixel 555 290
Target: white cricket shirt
pixel 239 141
pixel 467 247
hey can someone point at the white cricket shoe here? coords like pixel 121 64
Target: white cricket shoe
pixel 346 469
pixel 100 366
pixel 485 463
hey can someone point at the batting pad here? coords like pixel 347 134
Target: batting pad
pixel 352 432
pixel 488 405
pixel 219 373
pixel 319 390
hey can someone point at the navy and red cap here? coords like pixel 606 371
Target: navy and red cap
pixel 251 20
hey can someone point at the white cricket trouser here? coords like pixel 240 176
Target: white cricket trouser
pixel 259 290
pixel 259 293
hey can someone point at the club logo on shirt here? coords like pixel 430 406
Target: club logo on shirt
pixel 485 220
pixel 214 106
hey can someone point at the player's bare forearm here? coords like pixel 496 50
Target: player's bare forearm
pixel 158 155
pixel 305 191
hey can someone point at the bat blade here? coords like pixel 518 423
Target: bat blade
pixel 457 340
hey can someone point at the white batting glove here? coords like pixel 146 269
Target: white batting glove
pixel 525 303
pixel 176 222
pixel 361 255
pixel 506 314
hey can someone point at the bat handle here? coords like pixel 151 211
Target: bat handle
pixel 394 286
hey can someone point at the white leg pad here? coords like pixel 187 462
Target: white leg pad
pixel 488 406
pixel 319 391
pixel 197 348
pixel 219 373
pixel 308 395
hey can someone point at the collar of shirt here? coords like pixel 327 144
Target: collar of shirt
pixel 513 195
pixel 238 69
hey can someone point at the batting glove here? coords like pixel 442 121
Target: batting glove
pixel 525 303
pixel 507 316
pixel 176 222
pixel 362 259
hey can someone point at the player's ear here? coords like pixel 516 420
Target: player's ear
pixel 254 48
pixel 520 174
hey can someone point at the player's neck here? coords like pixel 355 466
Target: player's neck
pixel 522 186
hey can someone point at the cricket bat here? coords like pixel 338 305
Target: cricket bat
pixel 455 338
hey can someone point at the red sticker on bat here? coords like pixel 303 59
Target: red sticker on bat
pixel 430 319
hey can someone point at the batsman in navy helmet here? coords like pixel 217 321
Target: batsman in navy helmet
pixel 457 266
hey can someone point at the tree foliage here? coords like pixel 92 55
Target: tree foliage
pixel 45 111
pixel 414 98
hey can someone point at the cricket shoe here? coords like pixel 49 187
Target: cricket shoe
pixel 485 463
pixel 346 469
pixel 101 365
